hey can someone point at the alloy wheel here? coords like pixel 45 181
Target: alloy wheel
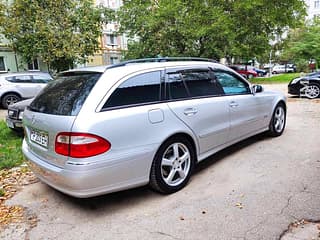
pixel 312 91
pixel 279 119
pixel 175 164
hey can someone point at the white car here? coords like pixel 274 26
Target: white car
pixel 18 86
pixel 282 69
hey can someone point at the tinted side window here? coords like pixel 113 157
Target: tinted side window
pixel 201 83
pixel 41 79
pixel 177 87
pixel 231 84
pixel 140 89
pixel 193 83
pixel 10 79
pixel 20 79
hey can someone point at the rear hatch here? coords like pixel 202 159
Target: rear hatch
pixel 54 111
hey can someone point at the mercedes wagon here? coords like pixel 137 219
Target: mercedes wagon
pixel 98 130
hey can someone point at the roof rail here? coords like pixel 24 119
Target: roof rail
pixel 161 59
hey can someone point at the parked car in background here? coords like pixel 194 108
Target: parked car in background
pixel 104 129
pixel 260 72
pixel 308 86
pixel 244 71
pixel 282 69
pixel 15 115
pixel 15 87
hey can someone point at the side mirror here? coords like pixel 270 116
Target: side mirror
pixel 257 88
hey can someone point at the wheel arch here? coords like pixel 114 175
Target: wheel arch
pixel 10 92
pixel 283 103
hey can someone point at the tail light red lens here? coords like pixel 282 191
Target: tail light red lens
pixel 80 145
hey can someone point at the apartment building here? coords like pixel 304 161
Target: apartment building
pixel 111 43
pixel 12 62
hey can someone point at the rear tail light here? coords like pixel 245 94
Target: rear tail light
pixel 80 145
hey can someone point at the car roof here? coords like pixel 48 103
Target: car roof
pixel 147 63
pixel 23 73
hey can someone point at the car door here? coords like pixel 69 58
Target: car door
pixel 248 111
pixel 196 98
pixel 25 86
pixel 39 82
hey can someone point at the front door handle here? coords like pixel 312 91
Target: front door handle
pixel 190 111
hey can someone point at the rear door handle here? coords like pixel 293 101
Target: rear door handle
pixel 190 111
pixel 233 104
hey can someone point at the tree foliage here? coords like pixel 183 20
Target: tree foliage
pixel 61 32
pixel 210 28
pixel 303 43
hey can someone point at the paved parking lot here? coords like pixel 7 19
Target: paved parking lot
pixel 252 190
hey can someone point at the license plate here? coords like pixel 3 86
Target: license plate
pixel 10 124
pixel 40 138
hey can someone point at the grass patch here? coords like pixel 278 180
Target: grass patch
pixel 2 192
pixel 10 147
pixel 281 78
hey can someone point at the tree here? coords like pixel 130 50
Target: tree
pixel 211 28
pixel 61 32
pixel 303 43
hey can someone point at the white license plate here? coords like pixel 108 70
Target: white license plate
pixel 40 138
pixel 10 124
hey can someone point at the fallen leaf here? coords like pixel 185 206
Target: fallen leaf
pixel 239 205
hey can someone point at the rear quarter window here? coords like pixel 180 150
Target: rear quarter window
pixel 141 89
pixel 65 95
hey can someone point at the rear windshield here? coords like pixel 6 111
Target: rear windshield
pixel 66 94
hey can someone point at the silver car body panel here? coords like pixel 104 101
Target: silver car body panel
pixel 137 132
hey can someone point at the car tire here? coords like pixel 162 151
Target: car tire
pixel 172 165
pixel 250 76
pixel 278 121
pixel 9 99
pixel 312 91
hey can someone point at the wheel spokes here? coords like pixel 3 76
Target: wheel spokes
pixel 279 119
pixel 167 162
pixel 175 164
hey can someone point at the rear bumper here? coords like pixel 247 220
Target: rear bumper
pixel 83 182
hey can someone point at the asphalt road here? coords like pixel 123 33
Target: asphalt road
pixel 252 190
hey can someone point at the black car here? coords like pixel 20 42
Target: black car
pixel 308 85
pixel 15 114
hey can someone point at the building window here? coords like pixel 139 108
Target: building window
pixel 34 65
pixel 317 4
pixel 2 64
pixel 114 60
pixel 111 40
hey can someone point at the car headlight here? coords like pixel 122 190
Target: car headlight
pixel 10 113
pixel 20 115
pixel 294 81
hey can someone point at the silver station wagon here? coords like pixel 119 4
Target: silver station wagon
pixel 103 129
